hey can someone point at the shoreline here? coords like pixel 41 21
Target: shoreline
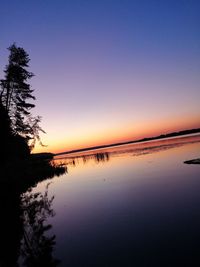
pixel 160 137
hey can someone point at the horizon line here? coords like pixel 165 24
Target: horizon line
pixel 161 136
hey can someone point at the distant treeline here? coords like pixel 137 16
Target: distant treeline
pixel 162 136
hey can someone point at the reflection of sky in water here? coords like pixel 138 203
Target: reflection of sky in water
pixel 149 203
pixel 137 149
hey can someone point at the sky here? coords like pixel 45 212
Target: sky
pixel 107 70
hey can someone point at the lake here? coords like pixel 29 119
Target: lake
pixel 132 205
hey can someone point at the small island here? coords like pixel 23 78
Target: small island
pixel 193 161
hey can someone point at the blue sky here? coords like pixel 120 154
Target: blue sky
pixel 108 70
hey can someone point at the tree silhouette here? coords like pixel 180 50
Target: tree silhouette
pixel 16 96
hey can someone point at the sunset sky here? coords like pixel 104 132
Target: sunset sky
pixel 108 70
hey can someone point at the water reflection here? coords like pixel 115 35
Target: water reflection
pixel 102 157
pixel 128 212
pixel 11 227
pixel 25 237
pixel 36 245
pixel 138 149
pixel 76 160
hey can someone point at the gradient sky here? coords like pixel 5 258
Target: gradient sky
pixel 108 70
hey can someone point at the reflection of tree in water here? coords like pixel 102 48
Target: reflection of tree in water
pixel 24 229
pixel 36 245
pixel 10 226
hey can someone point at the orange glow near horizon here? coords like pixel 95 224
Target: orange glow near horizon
pixel 114 135
pixel 107 71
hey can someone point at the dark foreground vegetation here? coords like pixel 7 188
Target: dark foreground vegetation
pixel 24 214
pixel 25 236
pixel 19 129
pixel 24 229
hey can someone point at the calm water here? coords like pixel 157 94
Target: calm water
pixel 133 205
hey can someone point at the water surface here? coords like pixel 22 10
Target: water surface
pixel 132 205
